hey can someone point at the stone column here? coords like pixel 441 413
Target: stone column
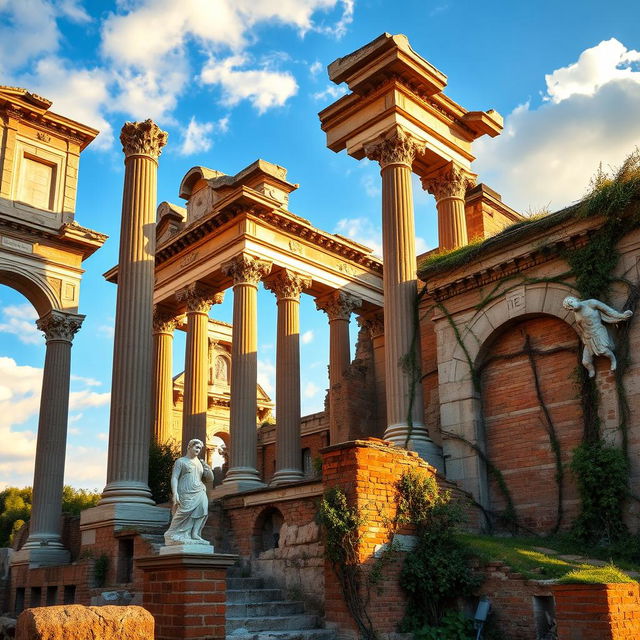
pixel 131 391
pixel 246 272
pixel 338 306
pixel 164 324
pixel 44 544
pixel 199 300
pixel 287 286
pixel 395 153
pixel 449 187
pixel 374 325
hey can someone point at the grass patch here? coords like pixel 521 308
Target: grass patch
pixel 521 555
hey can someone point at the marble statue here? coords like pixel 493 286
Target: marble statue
pixel 589 316
pixel 190 502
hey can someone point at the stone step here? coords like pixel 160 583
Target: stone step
pixel 253 609
pixel 257 596
pixel 244 583
pixel 237 572
pixel 292 634
pixel 272 623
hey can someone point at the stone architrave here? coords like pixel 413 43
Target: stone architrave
pixel 338 306
pixel 198 299
pixel 44 545
pixel 164 324
pixel 449 186
pixel 287 287
pixel 395 152
pixel 131 394
pixel 246 272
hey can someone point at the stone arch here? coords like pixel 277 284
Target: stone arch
pixel 36 289
pixel 266 530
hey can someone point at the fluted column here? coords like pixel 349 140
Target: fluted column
pixel 48 478
pixel 287 286
pixel 199 300
pixel 449 187
pixel 164 324
pixel 338 306
pixel 246 271
pixel 374 325
pixel 131 392
pixel 395 153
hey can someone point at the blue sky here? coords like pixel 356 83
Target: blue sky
pixel 234 80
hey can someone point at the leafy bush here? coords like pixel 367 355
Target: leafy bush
pixel 162 457
pixel 453 626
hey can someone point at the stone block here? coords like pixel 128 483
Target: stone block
pixel 73 622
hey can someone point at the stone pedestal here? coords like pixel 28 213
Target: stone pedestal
pixel 131 393
pixel 44 546
pixel 164 324
pixel 338 306
pixel 246 272
pixel 405 426
pixel 287 286
pixel 199 300
pixel 186 594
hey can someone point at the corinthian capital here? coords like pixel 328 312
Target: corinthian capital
pixel 287 284
pixel 373 324
pixel 338 305
pixel 399 147
pixel 199 298
pixel 142 138
pixel 452 182
pixel 59 326
pixel 245 269
pixel 163 321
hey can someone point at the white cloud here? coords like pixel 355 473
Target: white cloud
pixel 308 336
pixel 267 376
pixel 547 154
pixel 361 230
pixel 315 68
pixel 197 136
pixel 310 390
pixel 106 331
pixel 76 417
pixel 20 321
pixel 263 88
pixel 331 91
pixel 90 382
pixel 86 398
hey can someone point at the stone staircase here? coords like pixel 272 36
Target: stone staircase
pixel 258 612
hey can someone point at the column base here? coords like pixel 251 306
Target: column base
pixel 285 476
pixel 122 516
pixel 245 476
pixel 41 556
pixel 228 488
pixel 127 492
pixel 419 441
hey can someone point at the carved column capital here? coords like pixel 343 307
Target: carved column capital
pixel 143 138
pixel 398 147
pixel 164 321
pixel 199 298
pixel 338 305
pixel 59 326
pixel 373 324
pixel 245 269
pixel 452 182
pixel 287 284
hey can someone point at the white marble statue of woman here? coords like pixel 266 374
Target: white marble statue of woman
pixel 190 503
pixel 589 316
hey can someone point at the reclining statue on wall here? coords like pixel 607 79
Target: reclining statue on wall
pixel 190 502
pixel 589 316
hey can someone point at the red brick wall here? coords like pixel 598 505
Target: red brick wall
pixel 597 611
pixel 517 441
pixel 267 452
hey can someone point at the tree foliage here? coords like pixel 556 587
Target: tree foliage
pixel 162 457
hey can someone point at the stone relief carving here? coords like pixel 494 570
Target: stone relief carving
pixel 338 305
pixel 399 147
pixel 246 269
pixel 589 316
pixel 143 138
pixel 295 247
pixel 287 284
pixel 452 182
pixel 57 325
pixel 190 504
pixel 373 324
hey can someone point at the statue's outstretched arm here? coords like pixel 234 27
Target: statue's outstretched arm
pixel 610 315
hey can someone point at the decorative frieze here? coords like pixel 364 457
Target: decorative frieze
pixel 287 285
pixel 452 182
pixel 246 269
pixel 59 326
pixel 143 138
pixel 398 148
pixel 338 305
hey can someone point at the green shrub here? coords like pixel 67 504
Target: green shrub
pixel 162 457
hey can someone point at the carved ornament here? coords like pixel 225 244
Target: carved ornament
pixel 246 269
pixel 287 284
pixel 373 324
pixel 163 321
pixel 143 138
pixel 59 326
pixel 338 305
pixel 452 182
pixel 398 148
pixel 199 298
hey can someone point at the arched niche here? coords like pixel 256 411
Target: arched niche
pixel 266 530
pixel 35 289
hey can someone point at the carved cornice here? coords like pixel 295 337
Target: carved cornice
pixel 199 298
pixel 163 321
pixel 398 148
pixel 338 305
pixel 287 284
pixel 373 324
pixel 59 326
pixel 245 269
pixel 452 182
pixel 143 138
